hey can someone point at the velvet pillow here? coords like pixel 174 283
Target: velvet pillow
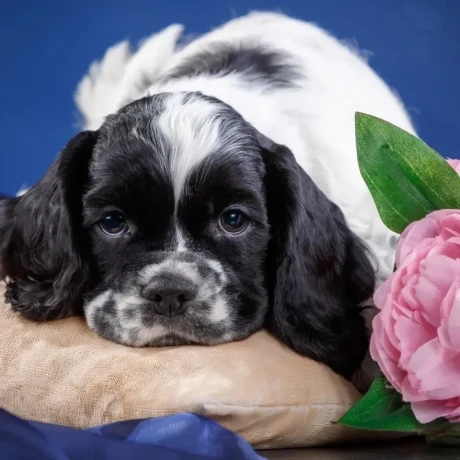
pixel 61 372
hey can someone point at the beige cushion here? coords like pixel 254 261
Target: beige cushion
pixel 61 372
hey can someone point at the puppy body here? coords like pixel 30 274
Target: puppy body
pixel 212 202
pixel 304 95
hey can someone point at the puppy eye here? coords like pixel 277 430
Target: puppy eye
pixel 114 223
pixel 233 221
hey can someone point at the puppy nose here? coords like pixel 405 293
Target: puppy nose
pixel 170 295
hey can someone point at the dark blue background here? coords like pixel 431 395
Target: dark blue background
pixel 47 46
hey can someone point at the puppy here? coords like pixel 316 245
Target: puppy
pixel 214 191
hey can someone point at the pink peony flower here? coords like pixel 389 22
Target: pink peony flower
pixel 455 164
pixel 416 338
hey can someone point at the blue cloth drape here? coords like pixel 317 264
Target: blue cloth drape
pixel 182 436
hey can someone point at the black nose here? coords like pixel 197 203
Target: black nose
pixel 170 294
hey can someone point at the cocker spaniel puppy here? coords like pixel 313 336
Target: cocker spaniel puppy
pixel 214 191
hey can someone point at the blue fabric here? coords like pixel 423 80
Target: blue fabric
pixel 182 436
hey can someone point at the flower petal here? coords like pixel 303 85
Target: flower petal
pixel 382 294
pixel 450 226
pixel 437 369
pixel 430 296
pixel 454 414
pixel 427 411
pixel 413 235
pixel 455 164
pixel 449 331
pixel 410 390
pixel 412 335
pixel 385 354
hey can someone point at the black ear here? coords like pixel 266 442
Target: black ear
pixel 43 249
pixel 319 270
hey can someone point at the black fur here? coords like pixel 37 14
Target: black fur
pixel 43 250
pixel 254 63
pixel 317 268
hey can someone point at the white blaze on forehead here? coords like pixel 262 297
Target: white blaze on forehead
pixel 192 130
pixel 180 240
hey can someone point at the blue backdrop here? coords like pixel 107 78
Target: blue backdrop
pixel 47 46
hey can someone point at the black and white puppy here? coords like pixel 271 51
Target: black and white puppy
pixel 189 215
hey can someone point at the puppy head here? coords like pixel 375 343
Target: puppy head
pixel 176 223
pixel 160 217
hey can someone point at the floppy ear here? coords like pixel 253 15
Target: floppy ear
pixel 319 270
pixel 43 250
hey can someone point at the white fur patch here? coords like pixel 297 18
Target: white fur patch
pixel 217 267
pixel 22 191
pixel 117 78
pixel 94 305
pixel 219 310
pixel 192 129
pixel 180 239
pixel 185 269
pixel 127 300
pixel 143 335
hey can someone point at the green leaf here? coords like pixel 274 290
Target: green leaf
pixel 382 408
pixel 406 178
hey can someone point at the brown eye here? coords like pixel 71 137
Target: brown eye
pixel 233 221
pixel 114 223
